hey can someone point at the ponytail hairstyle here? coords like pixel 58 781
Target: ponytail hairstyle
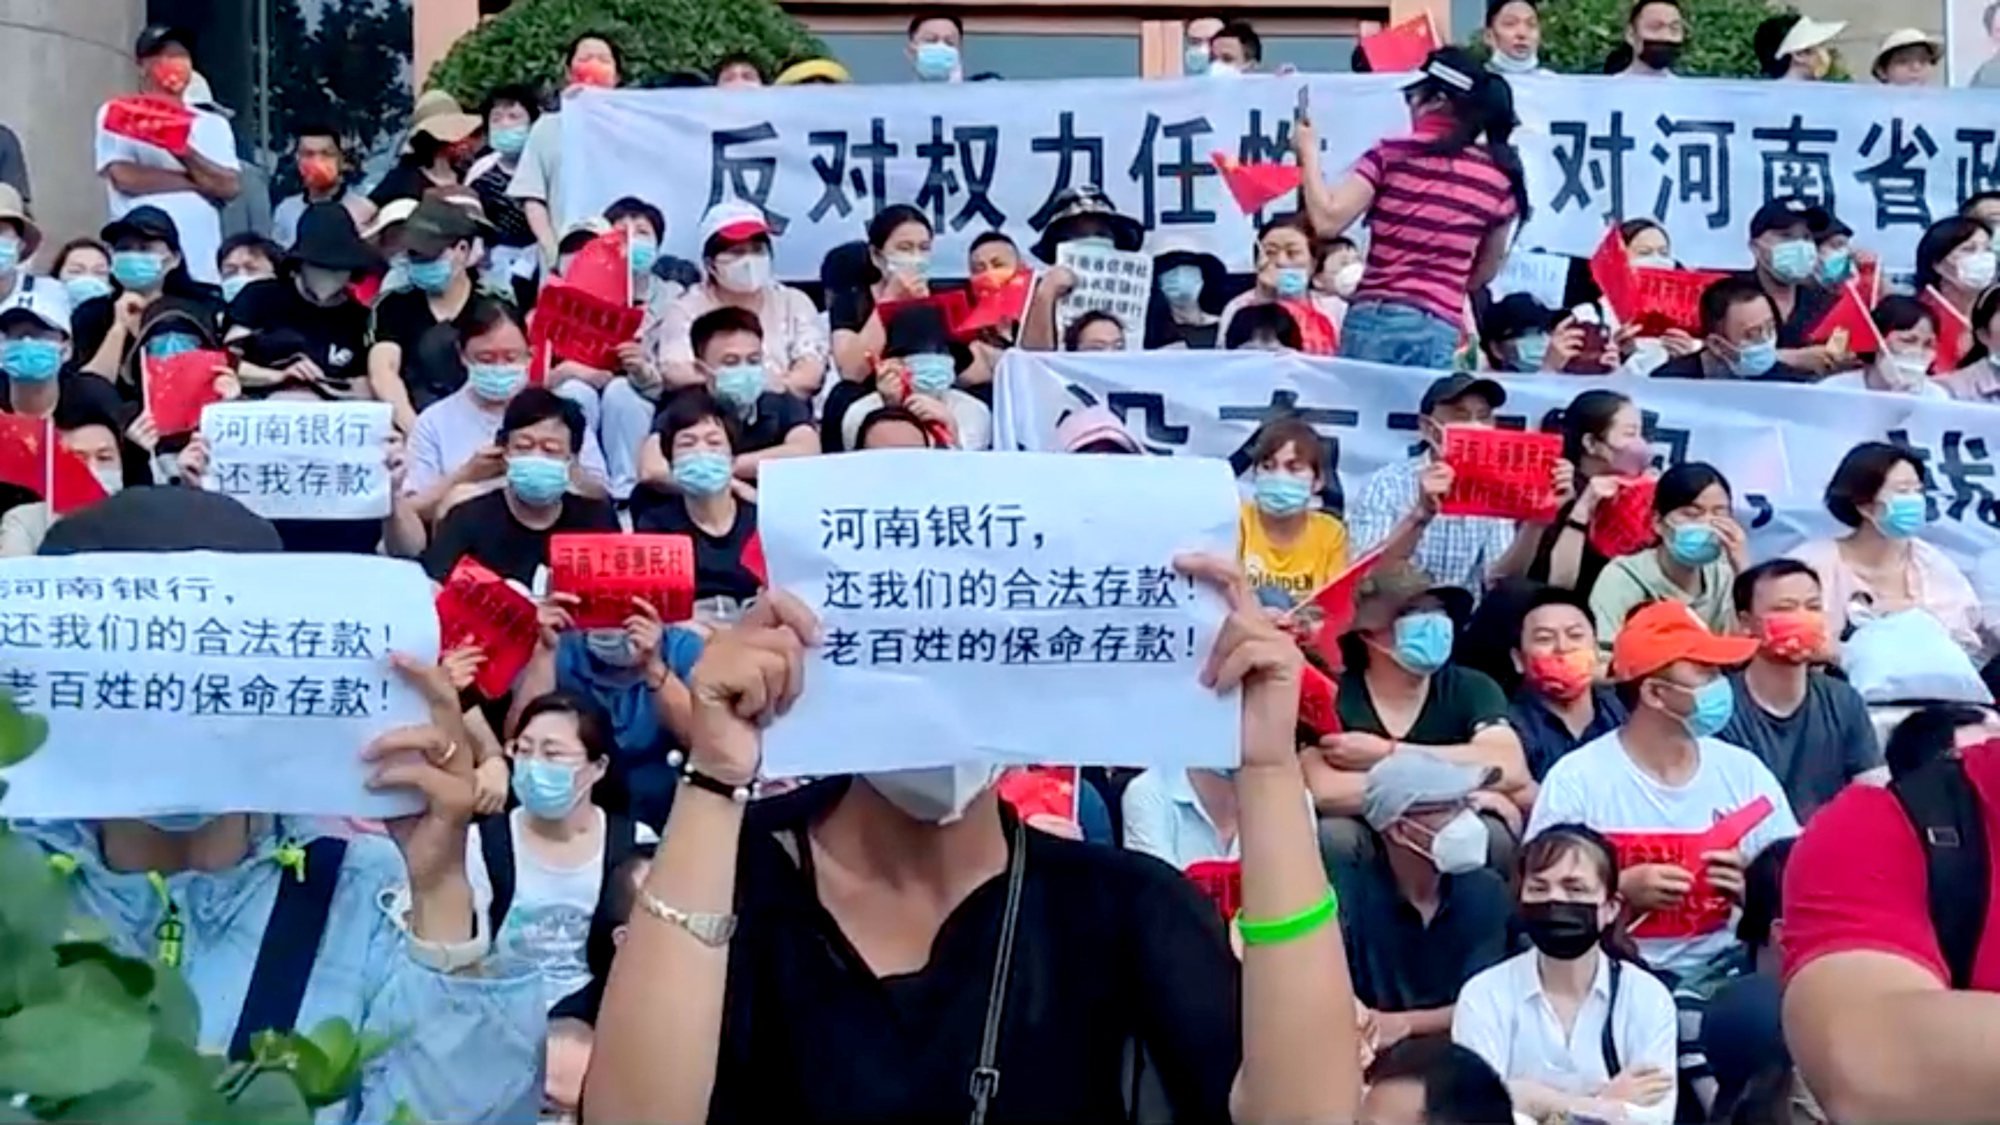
pixel 1481 107
pixel 1563 840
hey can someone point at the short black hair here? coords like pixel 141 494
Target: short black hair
pixel 1639 7
pixel 593 725
pixel 317 128
pixel 1073 335
pixel 1495 7
pixel 722 321
pixel 617 54
pixel 1763 894
pixel 483 314
pixel 689 407
pixel 1262 319
pixel 1937 243
pixel 1928 733
pixel 926 15
pixel 1718 299
pixel 883 226
pixel 1633 228
pixel 739 58
pixel 1979 197
pixel 884 414
pixel 1744 593
pixel 1460 1088
pixel 1684 483
pixel 1898 313
pixel 1546 596
pixel 632 207
pixel 991 237
pixel 534 405
pixel 74 245
pixel 249 240
pixel 1242 32
pixel 1860 476
pixel 1292 430
pixel 515 93
pixel 1984 310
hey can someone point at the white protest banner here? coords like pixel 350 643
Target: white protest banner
pixel 1777 443
pixel 300 460
pixel 1699 156
pixel 999 607
pixel 1109 281
pixel 197 682
pixel 1545 277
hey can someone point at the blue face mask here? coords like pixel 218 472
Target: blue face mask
pixel 1753 360
pixel 930 373
pixel 433 277
pixel 1530 351
pixel 643 253
pixel 495 382
pixel 509 140
pixel 166 345
pixel 1714 702
pixel 1903 515
pixel 547 790
pixel 232 286
pixel 1423 642
pixel 610 646
pixel 702 473
pixel 140 270
pixel 1194 59
pixel 739 384
pixel 397 277
pixel 1837 266
pixel 936 62
pixel 1795 260
pixel 1094 242
pixel 28 360
pixel 1281 494
pixel 10 255
pixel 1181 285
pixel 1292 282
pixel 1694 544
pixel 86 287
pixel 181 823
pixel 536 479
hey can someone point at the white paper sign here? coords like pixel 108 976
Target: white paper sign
pixel 300 460
pixel 1108 281
pixel 1545 277
pixel 999 607
pixel 207 683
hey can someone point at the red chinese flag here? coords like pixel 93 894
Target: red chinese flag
pixel 1255 186
pixel 1623 524
pixel 1851 319
pixel 1402 47
pixel 71 483
pixel 1333 606
pixel 1317 696
pixel 1222 881
pixel 575 324
pixel 477 607
pixel 1868 276
pixel 32 458
pixel 955 305
pixel 996 307
pixel 1506 473
pixel 603 269
pixel 1042 791
pixel 606 570
pixel 1317 335
pixel 1612 270
pixel 178 386
pixel 151 119
pixel 752 558
pixel 1953 332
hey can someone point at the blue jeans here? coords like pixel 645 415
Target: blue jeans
pixel 1399 335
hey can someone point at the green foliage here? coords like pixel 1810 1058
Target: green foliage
pixel 90 1035
pixel 1578 34
pixel 655 37
pixel 342 72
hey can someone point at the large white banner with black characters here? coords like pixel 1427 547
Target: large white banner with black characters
pixel 1698 155
pixel 1778 444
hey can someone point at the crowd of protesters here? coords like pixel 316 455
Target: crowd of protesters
pixel 1500 889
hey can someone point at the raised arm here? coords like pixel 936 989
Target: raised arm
pixel 1331 208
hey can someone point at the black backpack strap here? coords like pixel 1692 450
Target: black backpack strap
pixel 496 847
pixel 621 839
pixel 1943 807
pixel 290 946
pixel 1608 1043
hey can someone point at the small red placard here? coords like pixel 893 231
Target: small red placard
pixel 1317 334
pixel 1507 473
pixel 606 570
pixel 152 120
pixel 1042 791
pixel 476 606
pixel 577 325
pixel 1704 910
pixel 1664 299
pixel 178 386
pixel 1222 881
pixel 1624 524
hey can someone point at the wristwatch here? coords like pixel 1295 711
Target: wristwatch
pixel 712 930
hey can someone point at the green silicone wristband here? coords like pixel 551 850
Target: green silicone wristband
pixel 1285 929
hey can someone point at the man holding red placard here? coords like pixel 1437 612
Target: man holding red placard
pixel 1739 328
pixel 189 184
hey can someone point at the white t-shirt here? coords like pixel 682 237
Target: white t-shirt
pixel 1598 784
pixel 548 922
pixel 1857 381
pixel 1503 1016
pixel 198 219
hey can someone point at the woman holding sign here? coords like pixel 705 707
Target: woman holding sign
pixel 893 947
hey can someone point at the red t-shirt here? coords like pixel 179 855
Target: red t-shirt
pixel 1857 880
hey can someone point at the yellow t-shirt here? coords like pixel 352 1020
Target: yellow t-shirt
pixel 1300 568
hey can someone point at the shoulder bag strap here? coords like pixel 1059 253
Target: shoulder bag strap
pixel 986 1075
pixel 291 944
pixel 1609 1042
pixel 496 848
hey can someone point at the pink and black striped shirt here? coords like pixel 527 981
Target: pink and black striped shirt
pixel 1431 212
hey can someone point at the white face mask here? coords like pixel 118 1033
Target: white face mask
pixel 112 477
pixel 937 794
pixel 1907 371
pixel 748 273
pixel 1347 279
pixel 1976 271
pixel 1460 846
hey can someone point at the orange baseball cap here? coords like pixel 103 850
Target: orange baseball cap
pixel 1663 632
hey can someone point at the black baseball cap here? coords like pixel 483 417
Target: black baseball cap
pixel 436 226
pixel 1514 316
pixel 143 223
pixel 1789 211
pixel 155 38
pixel 1451 388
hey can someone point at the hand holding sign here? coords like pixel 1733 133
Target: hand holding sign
pixel 477 607
pixel 179 386
pixel 160 121
pixel 1505 473
pixel 607 570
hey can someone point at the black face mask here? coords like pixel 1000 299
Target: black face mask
pixel 1660 54
pixel 1562 930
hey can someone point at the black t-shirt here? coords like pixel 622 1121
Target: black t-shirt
pixel 1589 564
pixel 431 366
pixel 1461 703
pixel 288 327
pixel 485 528
pixel 718 560
pixel 404 181
pixel 1808 310
pixel 771 421
pixel 1111 947
pixel 91 321
pixel 1692 367
pixel 1398 962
